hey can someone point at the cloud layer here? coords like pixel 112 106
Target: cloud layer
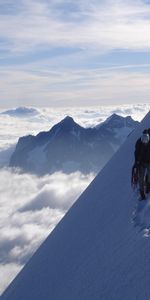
pixel 30 208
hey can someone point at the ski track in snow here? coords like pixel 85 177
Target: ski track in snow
pixel 141 215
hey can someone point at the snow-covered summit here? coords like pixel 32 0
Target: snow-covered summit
pixel 100 249
pixel 119 126
pixel 66 126
pixel 21 112
pixel 68 121
pixel 117 121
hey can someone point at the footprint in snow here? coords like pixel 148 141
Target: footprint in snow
pixel 141 217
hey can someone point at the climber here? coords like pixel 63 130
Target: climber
pixel 142 163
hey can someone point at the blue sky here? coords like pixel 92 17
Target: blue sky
pixel 74 53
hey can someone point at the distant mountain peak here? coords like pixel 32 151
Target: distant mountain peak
pixel 68 123
pixel 117 121
pixel 68 120
pixel 21 111
pixel 113 117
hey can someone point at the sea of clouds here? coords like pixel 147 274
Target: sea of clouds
pixel 31 206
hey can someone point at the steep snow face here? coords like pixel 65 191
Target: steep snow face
pixel 100 249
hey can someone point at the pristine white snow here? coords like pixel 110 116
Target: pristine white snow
pixel 101 248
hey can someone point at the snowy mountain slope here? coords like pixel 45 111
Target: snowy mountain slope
pixel 69 147
pixel 116 121
pixel 119 126
pixel 98 250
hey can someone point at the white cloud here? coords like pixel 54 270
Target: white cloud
pixel 84 30
pixel 105 25
pixel 30 207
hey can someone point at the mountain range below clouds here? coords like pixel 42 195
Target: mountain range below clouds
pixel 31 205
pixel 100 249
pixel 69 147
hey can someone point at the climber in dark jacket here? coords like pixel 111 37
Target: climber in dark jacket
pixel 142 161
